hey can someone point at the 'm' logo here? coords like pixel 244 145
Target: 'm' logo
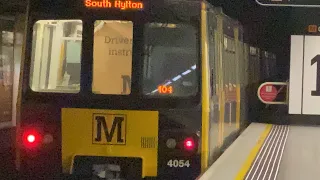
pixel 109 129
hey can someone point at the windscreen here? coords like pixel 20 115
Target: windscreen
pixel 56 56
pixel 172 55
pixel 112 57
pixel 168 44
pixel 170 61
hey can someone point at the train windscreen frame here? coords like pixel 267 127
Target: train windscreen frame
pixel 158 15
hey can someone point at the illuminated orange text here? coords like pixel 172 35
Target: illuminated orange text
pixel 116 4
pixel 101 4
pixel 128 5
pixel 165 89
pixel 312 28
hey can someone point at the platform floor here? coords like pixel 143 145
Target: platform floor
pixel 301 157
pixel 270 152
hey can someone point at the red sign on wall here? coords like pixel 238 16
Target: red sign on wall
pixel 273 92
pixel 268 93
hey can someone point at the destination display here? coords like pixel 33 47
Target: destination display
pixel 295 3
pixel 123 5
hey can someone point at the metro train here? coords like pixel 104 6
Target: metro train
pixel 148 91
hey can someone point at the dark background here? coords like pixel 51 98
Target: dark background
pixel 270 27
pixel 267 27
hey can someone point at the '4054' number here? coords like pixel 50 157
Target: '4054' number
pixel 178 163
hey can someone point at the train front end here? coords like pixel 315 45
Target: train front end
pixel 111 89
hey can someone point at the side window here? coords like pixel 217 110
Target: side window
pixel 211 30
pixel 112 57
pixel 56 55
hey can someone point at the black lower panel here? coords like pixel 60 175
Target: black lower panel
pixel 107 167
pixel 174 171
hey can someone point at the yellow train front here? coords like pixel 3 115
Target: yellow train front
pixel 128 89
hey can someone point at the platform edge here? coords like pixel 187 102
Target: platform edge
pixel 246 166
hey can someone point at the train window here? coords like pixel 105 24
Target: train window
pixel 56 55
pixel 211 51
pixel 112 57
pixel 170 60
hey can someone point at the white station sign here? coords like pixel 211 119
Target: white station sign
pixel 304 89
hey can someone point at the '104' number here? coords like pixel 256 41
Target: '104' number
pixel 178 163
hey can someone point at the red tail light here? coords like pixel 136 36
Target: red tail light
pixel 31 139
pixel 189 144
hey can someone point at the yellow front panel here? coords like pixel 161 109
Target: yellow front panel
pixel 111 133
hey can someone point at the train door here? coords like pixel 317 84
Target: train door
pixel 214 96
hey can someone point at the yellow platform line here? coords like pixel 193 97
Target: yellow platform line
pixel 246 166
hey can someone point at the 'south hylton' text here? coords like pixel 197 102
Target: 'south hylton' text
pixel 114 4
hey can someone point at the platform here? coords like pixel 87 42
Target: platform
pixel 270 152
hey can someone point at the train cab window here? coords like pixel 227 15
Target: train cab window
pixel 170 60
pixel 112 57
pixel 56 55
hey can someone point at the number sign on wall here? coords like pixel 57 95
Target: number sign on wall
pixel 304 89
